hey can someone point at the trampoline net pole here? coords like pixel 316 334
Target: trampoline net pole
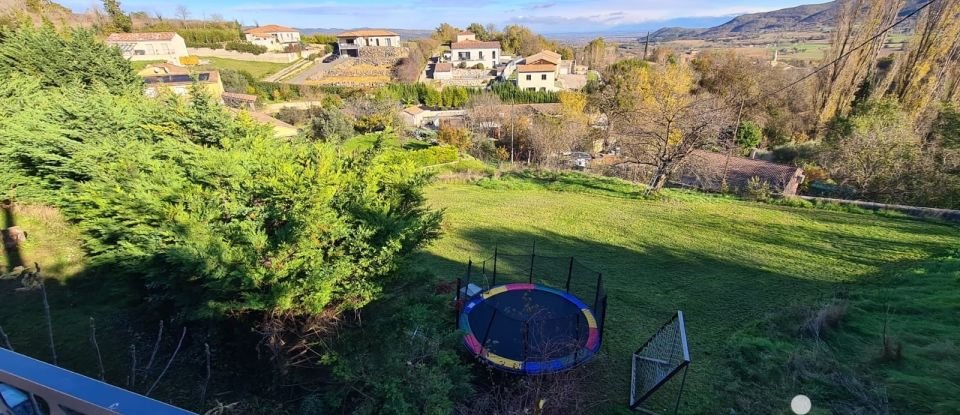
pixel 456 308
pixel 569 275
pixel 596 300
pixel 489 325
pixel 469 270
pixel 495 254
pixel 532 256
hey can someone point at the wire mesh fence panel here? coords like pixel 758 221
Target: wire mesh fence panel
pixel 655 366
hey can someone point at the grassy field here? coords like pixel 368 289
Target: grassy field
pixel 745 274
pixel 259 70
pixel 727 264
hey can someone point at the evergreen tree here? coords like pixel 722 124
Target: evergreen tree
pixel 121 21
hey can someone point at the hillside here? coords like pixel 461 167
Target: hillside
pixel 804 18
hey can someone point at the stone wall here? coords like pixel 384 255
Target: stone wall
pixel 382 55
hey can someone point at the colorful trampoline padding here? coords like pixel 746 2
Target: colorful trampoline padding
pixel 583 352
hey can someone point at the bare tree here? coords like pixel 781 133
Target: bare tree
pixel 857 22
pixel 183 13
pixel 667 123
pixel 169 362
pixel 96 346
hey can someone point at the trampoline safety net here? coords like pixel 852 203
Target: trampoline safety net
pixel 532 313
pixel 656 364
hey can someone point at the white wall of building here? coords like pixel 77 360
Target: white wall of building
pixel 153 50
pixel 489 57
pixel 539 81
pixel 275 41
pixel 372 41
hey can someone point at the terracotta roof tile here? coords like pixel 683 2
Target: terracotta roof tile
pixel 475 44
pixel 367 32
pixel 544 55
pixel 140 37
pixel 536 68
pixel 270 28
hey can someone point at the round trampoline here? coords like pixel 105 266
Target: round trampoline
pixel 529 329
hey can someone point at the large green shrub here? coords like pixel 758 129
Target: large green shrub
pixel 207 213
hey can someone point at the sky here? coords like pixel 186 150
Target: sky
pixel 544 16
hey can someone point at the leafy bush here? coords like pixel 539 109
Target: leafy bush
pixel 417 372
pixel 236 81
pixel 758 189
pixel 207 212
pixel 459 138
pixel 247 47
pixel 330 124
pixel 796 153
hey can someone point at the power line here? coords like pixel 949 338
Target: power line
pixel 839 58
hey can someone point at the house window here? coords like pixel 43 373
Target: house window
pixel 464 56
pixel 529 77
pixel 543 89
pixel 139 52
pixel 494 54
pixel 531 89
pixel 543 77
pixel 389 42
pixel 378 41
pixel 480 55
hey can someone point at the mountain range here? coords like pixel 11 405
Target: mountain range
pixel 805 18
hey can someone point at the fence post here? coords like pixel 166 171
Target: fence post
pixel 495 252
pixel 596 300
pixel 569 274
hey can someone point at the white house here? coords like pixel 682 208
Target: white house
pixel 152 46
pixel 273 37
pixel 442 70
pixel 470 52
pixel 350 43
pixel 537 77
pixel 540 71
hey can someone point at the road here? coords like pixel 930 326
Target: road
pixel 319 66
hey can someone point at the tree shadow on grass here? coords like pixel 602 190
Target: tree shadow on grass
pixel 646 285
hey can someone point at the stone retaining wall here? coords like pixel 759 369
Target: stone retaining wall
pixel 382 55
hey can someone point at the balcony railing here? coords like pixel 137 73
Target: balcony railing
pixel 31 386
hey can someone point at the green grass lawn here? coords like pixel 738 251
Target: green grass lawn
pixel 139 65
pixel 739 271
pixel 259 70
pixel 726 263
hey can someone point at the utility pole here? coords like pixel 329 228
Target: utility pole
pixel 513 123
pixel 726 163
pixel 645 45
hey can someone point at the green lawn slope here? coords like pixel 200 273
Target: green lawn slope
pixel 726 263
